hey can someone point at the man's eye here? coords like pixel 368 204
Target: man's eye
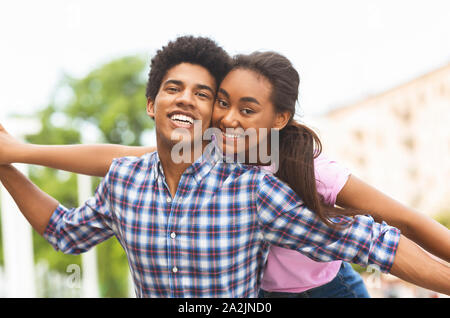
pixel 172 89
pixel 203 95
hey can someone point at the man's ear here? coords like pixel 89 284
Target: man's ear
pixel 151 108
pixel 281 120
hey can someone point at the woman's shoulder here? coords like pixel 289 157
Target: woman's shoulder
pixel 331 177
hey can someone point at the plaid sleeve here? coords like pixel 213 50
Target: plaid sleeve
pixel 288 223
pixel 74 231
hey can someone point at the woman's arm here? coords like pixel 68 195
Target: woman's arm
pixel 92 160
pixel 426 232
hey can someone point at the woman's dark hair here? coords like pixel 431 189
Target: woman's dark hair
pixel 298 144
pixel 187 49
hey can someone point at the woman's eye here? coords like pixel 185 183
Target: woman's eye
pixel 222 103
pixel 248 111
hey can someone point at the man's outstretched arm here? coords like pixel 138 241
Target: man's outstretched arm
pixel 71 231
pixel 288 223
pixel 414 265
pixel 36 205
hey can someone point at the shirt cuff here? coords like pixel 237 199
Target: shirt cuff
pixel 51 229
pixel 390 245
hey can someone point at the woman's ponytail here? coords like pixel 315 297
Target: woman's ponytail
pixel 298 147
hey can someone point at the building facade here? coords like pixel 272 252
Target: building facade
pixel 398 141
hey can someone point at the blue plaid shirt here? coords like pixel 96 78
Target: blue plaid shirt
pixel 210 239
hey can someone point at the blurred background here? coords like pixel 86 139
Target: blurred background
pixel 375 85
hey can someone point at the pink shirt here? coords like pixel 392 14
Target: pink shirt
pixel 288 270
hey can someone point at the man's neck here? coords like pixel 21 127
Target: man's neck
pixel 174 170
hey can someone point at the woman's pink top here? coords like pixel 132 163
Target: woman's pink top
pixel 290 271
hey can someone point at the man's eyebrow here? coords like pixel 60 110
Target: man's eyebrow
pixel 180 83
pixel 201 86
pixel 171 81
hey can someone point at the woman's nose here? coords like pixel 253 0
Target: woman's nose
pixel 230 119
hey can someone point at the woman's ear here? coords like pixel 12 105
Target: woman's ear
pixel 281 120
pixel 151 108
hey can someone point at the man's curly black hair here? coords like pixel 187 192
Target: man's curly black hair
pixel 187 49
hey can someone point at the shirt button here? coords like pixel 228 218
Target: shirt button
pixel 174 269
pixel 173 235
pixel 169 200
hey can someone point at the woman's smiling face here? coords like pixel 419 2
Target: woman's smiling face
pixel 244 104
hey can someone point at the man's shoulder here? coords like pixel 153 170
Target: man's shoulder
pixel 240 171
pixel 133 160
pixel 131 165
pixel 265 178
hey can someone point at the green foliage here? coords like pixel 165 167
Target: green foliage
pixel 359 268
pixel 51 134
pixel 110 104
pixel 113 269
pixel 112 98
pixel 443 218
pixel 56 260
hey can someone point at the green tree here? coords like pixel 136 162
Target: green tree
pixel 107 105
pixel 443 217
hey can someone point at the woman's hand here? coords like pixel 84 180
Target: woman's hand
pixel 10 147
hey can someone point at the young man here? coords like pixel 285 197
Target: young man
pixel 201 229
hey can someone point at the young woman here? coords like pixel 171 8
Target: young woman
pixel 261 92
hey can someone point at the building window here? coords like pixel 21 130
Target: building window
pixel 359 135
pixel 404 115
pixel 361 161
pixel 417 199
pixel 409 143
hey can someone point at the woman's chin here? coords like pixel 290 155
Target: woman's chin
pixel 235 153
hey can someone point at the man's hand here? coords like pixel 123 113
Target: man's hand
pixel 9 147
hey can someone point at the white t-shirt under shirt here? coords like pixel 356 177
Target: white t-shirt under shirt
pixel 289 271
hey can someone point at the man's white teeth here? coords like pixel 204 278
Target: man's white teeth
pixel 183 118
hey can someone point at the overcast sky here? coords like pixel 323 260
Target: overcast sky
pixel 343 50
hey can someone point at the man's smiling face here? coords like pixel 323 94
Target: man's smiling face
pixel 186 94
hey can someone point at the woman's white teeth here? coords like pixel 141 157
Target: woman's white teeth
pixel 232 135
pixel 182 118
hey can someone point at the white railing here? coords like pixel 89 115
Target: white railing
pixel 89 259
pixel 20 277
pixel 17 249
